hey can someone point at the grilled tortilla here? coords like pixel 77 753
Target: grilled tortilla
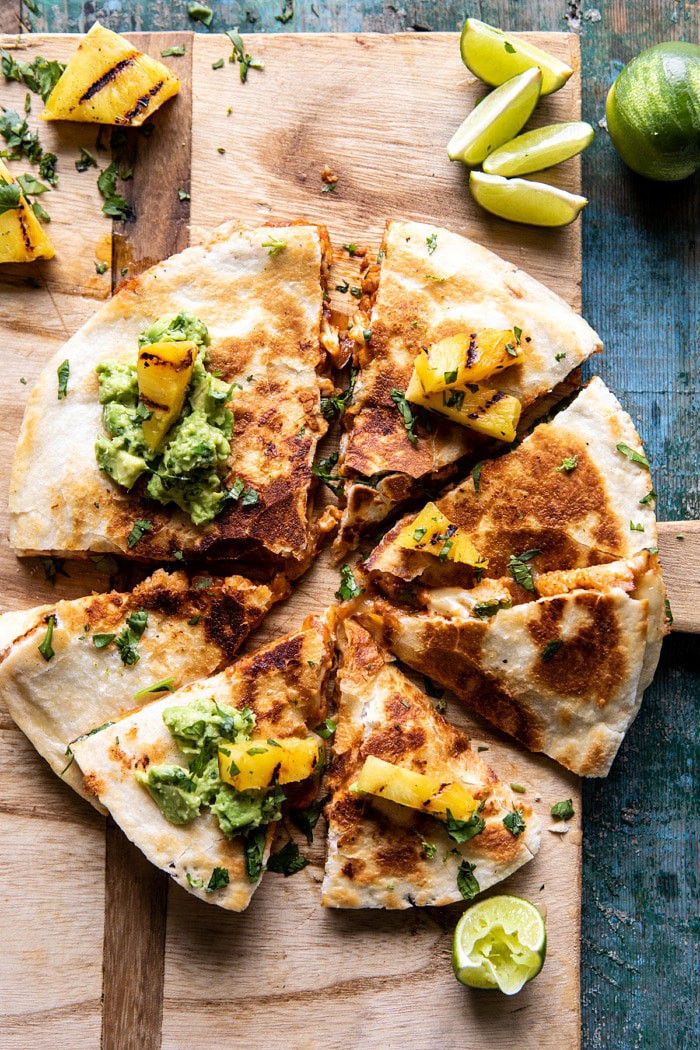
pixel 528 500
pixel 434 283
pixel 283 684
pixel 380 854
pixel 193 629
pixel 556 647
pixel 264 311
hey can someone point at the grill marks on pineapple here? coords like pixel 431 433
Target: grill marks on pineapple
pixel 108 77
pixel 141 103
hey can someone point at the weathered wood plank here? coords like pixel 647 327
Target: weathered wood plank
pixel 679 546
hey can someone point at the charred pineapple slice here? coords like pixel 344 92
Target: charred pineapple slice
pixel 22 238
pixel 429 794
pixel 109 81
pixel 468 358
pixel 255 763
pixel 164 371
pixel 433 533
pixel 488 412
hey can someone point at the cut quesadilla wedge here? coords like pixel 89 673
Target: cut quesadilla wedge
pixel 157 771
pixel 576 492
pixel 384 854
pixel 184 416
pixel 563 674
pixel 432 284
pixel 109 654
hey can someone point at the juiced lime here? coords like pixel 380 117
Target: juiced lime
pixel 495 56
pixel 501 943
pixel 520 200
pixel 653 112
pixel 539 149
pixel 496 119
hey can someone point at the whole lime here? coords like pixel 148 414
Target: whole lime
pixel 653 112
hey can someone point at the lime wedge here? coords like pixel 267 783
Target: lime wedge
pixel 501 943
pixel 520 200
pixel 496 118
pixel 539 149
pixel 495 56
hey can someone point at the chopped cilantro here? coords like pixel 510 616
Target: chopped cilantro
pixel 40 75
pixel 183 195
pixel 193 621
pixel 476 477
pixel 330 406
pixel 240 55
pixel 431 241
pixel 568 463
pixel 46 649
pixel 63 372
pixel 348 587
pixel 351 248
pixel 274 246
pixel 9 196
pixel 521 571
pixel 100 268
pixel 483 610
pixel 563 810
pixel 164 686
pixel 559 357
pixel 138 531
pixel 173 52
pixel 466 881
pixel 551 649
pixel 668 613
pixel 636 528
pixel 219 64
pixel 518 789
pixel 465 830
pixel 194 881
pixel 514 822
pixel 102 640
pixel 509 48
pixel 254 850
pixel 649 498
pixel 219 879
pixel 323 470
pixel 53 567
pixel 307 819
pixel 356 292
pixel 428 849
pixel 288 860
pixel 201 13
pixel 632 455
pixel 407 414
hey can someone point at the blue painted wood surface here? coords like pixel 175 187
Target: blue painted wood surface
pixel 640 930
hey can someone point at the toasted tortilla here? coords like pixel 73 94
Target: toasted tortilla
pixel 523 501
pixel 563 674
pixel 284 685
pixel 376 858
pixel 428 289
pixel 194 628
pixel 264 313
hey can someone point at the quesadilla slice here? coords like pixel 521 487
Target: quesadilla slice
pixel 73 666
pixel 432 286
pixel 190 779
pixel 563 674
pixel 184 416
pixel 576 492
pixel 457 830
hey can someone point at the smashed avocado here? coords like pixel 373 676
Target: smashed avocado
pixel 184 469
pixel 199 729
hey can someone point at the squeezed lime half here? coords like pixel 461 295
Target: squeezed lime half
pixel 496 119
pixel 538 149
pixel 500 942
pixel 520 200
pixel 495 56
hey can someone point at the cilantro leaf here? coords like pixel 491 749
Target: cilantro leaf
pixel 200 13
pixel 483 610
pixel 466 881
pixel 410 418
pixel 254 850
pixel 332 406
pixel 431 241
pixel 323 471
pixel 164 686
pixel 568 464
pixel 348 586
pixel 288 860
pixel 521 571
pixel 464 830
pixel 9 196
pixel 563 810
pixel 551 649
pixel 632 455
pixel 219 879
pixel 138 531
pixel 63 372
pixel 46 649
pixel 514 822
pixel 307 819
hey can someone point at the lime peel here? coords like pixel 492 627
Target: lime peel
pixel 538 149
pixel 522 200
pixel 500 942
pixel 496 119
pixel 495 56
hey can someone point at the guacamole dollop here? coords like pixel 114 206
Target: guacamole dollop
pixel 185 468
pixel 199 729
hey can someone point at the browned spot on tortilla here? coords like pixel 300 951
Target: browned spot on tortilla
pixel 399 856
pixel 93 784
pixel 392 742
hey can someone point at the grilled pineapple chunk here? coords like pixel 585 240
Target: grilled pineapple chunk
pixel 164 371
pixel 109 81
pixel 468 358
pixel 255 763
pixel 433 533
pixel 489 412
pixel 22 238
pixel 429 794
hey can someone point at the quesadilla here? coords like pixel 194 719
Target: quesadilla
pixel 554 629
pixel 76 665
pixel 577 491
pixel 184 416
pixel 433 284
pixel 384 854
pixel 159 772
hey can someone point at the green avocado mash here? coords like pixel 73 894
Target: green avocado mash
pixel 199 728
pixel 185 469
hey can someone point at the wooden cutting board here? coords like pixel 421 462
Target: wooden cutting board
pixel 106 952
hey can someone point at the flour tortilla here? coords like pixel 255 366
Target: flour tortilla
pixel 523 501
pixel 375 855
pixel 563 674
pixel 283 683
pixel 424 294
pixel 264 313
pixel 82 687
